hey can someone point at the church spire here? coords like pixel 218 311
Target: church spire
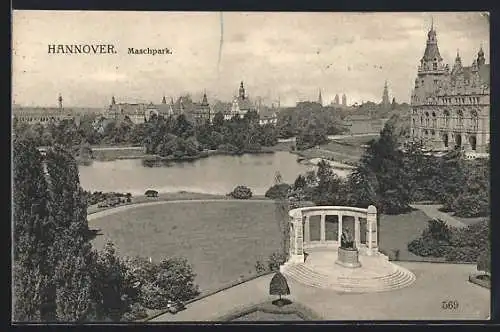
pixel 385 95
pixel 336 99
pixel 164 100
pixel 204 101
pixel 241 93
pixel 113 100
pixel 480 56
pixel 320 99
pixel 431 60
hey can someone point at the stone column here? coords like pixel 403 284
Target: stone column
pixel 357 237
pixel 299 238
pixel 307 231
pixel 339 230
pixel 371 220
pixel 323 228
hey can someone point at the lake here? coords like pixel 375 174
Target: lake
pixel 214 175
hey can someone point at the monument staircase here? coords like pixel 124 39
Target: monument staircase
pixel 376 273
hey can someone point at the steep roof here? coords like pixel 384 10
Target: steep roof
pixel 245 104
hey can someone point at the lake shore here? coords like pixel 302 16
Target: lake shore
pixel 165 197
pixel 110 153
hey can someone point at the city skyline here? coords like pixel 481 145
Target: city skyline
pixel 289 56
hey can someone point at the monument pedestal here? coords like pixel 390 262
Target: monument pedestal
pixel 348 257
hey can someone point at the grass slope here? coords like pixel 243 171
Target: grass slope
pixel 396 231
pixel 222 240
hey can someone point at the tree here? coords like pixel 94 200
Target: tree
pixel 31 269
pixel 112 284
pixel 279 286
pixel 362 188
pixel 71 253
pixel 385 160
pixel 218 121
pixel 176 278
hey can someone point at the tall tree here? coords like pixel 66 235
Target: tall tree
pixel 71 254
pixel 385 160
pixel 32 234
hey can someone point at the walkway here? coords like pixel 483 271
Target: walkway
pixel 432 211
pixel 331 137
pixel 123 208
pixel 434 284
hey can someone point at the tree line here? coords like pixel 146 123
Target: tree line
pixel 57 275
pixel 391 178
pixel 176 135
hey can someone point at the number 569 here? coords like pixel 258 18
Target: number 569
pixel 449 305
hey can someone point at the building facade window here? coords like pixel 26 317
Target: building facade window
pixel 446 118
pixel 475 120
pixel 434 120
pixel 460 118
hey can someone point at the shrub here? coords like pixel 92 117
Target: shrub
pixel 462 254
pixel 484 261
pixel 279 285
pixel 428 247
pixel 260 267
pixel 455 244
pixel 228 148
pixel 276 260
pixel 137 312
pixel 171 279
pixel 278 191
pixel 153 297
pixel 471 205
pixel 241 192
pixel 438 230
pixel 475 235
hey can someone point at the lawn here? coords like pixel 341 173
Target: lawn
pixel 357 140
pixel 267 311
pixel 396 231
pixel 221 240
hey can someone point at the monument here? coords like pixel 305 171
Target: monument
pixel 336 248
pixel 348 254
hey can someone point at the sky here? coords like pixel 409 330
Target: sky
pixel 285 56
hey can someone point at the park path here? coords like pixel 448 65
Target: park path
pixel 423 299
pixel 233 299
pixel 432 211
pixel 332 137
pixel 122 208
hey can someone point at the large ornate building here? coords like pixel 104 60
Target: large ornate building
pixel 44 115
pixel 451 108
pixel 241 105
pixel 137 112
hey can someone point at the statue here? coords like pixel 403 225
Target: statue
pixel 346 241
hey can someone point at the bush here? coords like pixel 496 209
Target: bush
pixel 241 192
pixel 275 261
pixel 455 244
pixel 278 285
pixel 153 297
pixel 462 254
pixel 260 267
pixel 278 191
pixel 171 279
pixel 471 205
pixel 484 261
pixel 137 312
pixel 428 247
